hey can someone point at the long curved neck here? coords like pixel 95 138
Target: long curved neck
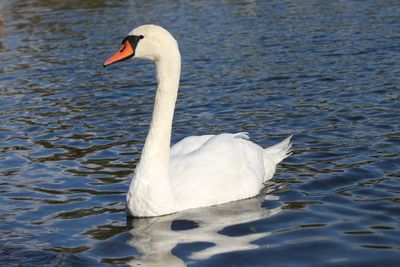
pixel 150 193
pixel 155 154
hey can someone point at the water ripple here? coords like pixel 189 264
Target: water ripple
pixel 71 133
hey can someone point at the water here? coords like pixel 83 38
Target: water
pixel 71 132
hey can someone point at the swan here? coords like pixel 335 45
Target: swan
pixel 198 171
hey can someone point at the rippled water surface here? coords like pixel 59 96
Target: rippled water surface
pixel 71 132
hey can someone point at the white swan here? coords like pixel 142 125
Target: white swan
pixel 198 171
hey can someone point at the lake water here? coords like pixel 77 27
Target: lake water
pixel 71 132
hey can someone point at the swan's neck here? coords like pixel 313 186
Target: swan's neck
pixel 150 193
pixel 155 154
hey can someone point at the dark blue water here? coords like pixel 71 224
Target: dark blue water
pixel 71 132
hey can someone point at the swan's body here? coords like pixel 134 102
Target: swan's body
pixel 198 171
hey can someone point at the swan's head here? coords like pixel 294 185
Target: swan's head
pixel 150 42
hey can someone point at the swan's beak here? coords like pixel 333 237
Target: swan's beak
pixel 125 52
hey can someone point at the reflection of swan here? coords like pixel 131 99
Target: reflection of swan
pixel 155 238
pixel 199 170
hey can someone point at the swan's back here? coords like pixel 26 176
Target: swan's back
pixel 189 144
pixel 220 169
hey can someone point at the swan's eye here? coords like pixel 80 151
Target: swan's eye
pixel 141 36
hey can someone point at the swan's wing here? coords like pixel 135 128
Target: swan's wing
pixel 225 167
pixel 189 144
pixel 192 143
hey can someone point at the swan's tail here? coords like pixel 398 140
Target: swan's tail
pixel 280 151
pixel 275 154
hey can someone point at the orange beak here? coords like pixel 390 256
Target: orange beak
pixel 125 52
